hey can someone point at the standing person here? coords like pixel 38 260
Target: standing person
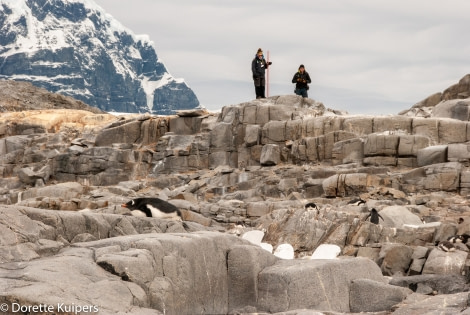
pixel 301 79
pixel 258 67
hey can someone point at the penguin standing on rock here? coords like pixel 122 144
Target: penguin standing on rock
pixel 374 216
pixel 153 207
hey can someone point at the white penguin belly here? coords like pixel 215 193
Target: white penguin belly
pixel 162 215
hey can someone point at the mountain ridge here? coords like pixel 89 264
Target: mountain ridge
pixel 75 48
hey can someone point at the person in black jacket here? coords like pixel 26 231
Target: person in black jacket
pixel 258 67
pixel 301 80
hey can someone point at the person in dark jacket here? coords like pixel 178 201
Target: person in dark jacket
pixel 258 68
pixel 301 79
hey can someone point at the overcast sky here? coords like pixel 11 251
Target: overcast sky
pixel 364 56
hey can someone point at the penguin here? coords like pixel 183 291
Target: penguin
pixel 459 238
pixel 374 216
pixel 311 206
pixel 446 246
pixel 356 202
pixel 153 207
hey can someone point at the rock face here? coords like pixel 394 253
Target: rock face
pixel 248 171
pixel 74 48
pixel 453 102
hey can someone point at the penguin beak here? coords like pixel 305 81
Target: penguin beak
pixel 124 205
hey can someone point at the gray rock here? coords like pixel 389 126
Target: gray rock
pixel 410 144
pixel 396 259
pixel 252 133
pixel 440 284
pixel 458 152
pixel 432 155
pixel 270 154
pixel 444 263
pixel 397 216
pixel 378 144
pixel 244 264
pixel 371 296
pixel 30 176
pixel 439 304
pixel 418 259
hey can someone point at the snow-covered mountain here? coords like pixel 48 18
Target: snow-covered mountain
pixel 75 48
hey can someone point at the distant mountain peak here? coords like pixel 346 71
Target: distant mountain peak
pixel 75 48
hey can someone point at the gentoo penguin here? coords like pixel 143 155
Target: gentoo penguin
pixel 356 202
pixel 374 216
pixel 459 238
pixel 446 246
pixel 311 206
pixel 153 207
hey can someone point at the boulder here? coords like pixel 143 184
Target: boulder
pixel 397 216
pixel 348 151
pixel 439 284
pixel 127 131
pixel 450 131
pixel 439 304
pixel 432 155
pixel 456 109
pixel 281 287
pixel 372 296
pixel 410 144
pixel 396 259
pixel 348 184
pixel 444 263
pixel 270 154
pixel 252 133
pixel 244 263
pixel 380 144
pixel 418 259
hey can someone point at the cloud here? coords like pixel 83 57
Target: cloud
pixel 393 52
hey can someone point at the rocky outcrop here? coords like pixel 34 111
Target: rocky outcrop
pixel 251 168
pixel 122 264
pixel 453 102
pixel 17 96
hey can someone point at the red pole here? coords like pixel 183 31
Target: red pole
pixel 267 78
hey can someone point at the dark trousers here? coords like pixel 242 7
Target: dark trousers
pixel 302 92
pixel 259 87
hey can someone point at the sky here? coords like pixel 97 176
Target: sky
pixel 364 56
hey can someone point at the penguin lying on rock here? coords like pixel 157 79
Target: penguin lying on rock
pixel 153 207
pixel 311 206
pixel 446 246
pixel 459 238
pixel 356 202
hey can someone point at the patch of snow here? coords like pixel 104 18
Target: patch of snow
pixel 326 251
pixel 284 251
pixel 254 236
pixel 266 246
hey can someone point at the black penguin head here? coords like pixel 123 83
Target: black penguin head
pixel 311 205
pixel 464 238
